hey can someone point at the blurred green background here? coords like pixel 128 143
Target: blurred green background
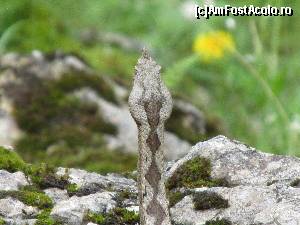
pixel 241 71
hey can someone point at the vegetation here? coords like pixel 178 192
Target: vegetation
pixel 115 216
pixel 239 71
pixel 32 198
pixel 218 222
pixel 11 161
pixel 194 173
pixel 72 189
pixel 175 197
pixel 295 183
pixel 63 130
pixel 209 200
pixel 44 218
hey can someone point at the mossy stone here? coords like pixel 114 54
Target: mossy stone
pixel 37 199
pixel 209 200
pixel 117 216
pixel 44 218
pixel 194 173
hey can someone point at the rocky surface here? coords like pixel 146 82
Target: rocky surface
pixel 262 189
pixel 16 212
pixel 73 210
pixel 12 181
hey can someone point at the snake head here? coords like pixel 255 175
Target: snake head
pixel 149 93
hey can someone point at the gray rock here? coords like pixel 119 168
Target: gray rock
pixel 13 209
pixel 112 181
pixel 261 192
pixel 57 195
pixel 247 205
pixel 73 210
pixel 241 164
pixel 12 181
pixel 20 221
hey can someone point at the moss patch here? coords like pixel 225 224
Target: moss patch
pixel 175 197
pixel 42 176
pixel 32 198
pixel 72 189
pixel 2 222
pixel 209 200
pixel 117 216
pixel 11 161
pixel 218 222
pixel 295 183
pixel 44 218
pixel 194 173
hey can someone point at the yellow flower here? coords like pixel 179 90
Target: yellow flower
pixel 213 45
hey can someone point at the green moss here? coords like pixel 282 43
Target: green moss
pixel 41 176
pixel 295 183
pixel 96 218
pixel 44 176
pixel 72 189
pixel 209 200
pixel 194 173
pixel 31 198
pixel 44 218
pixel 11 161
pixel 71 82
pixel 117 216
pixel 175 197
pixel 2 222
pixel 218 222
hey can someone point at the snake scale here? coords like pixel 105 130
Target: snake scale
pixel 150 105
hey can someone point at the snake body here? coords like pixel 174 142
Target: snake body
pixel 150 105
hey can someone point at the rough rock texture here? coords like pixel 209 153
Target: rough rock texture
pixel 248 205
pixel 241 164
pixel 16 212
pixel 12 181
pixel 263 189
pixel 17 69
pixel 85 179
pixel 72 211
pixel 57 195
